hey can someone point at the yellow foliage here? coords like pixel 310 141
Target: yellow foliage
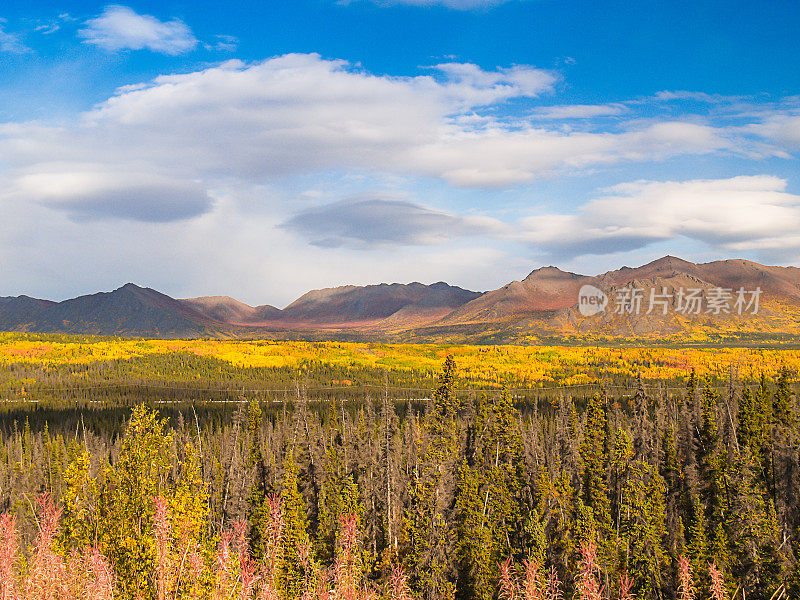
pixel 533 365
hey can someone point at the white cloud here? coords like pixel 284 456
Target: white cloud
pixel 153 156
pixel 677 95
pixel 121 28
pixel 368 222
pixel 747 213
pixel 470 86
pixel 782 127
pixel 225 251
pixel 47 28
pixel 11 42
pixel 580 111
pixel 301 113
pixel 291 114
pixel 52 25
pixel 501 157
pixel 223 43
pixel 91 192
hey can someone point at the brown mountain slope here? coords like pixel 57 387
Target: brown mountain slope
pixel 367 306
pixel 545 289
pixel 225 310
pixel 128 310
pixel 546 303
pixel 781 282
pixel 543 306
pixel 133 310
pixel 20 311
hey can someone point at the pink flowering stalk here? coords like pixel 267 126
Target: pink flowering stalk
pixel 686 589
pixel 527 583
pixel 247 568
pixel 179 566
pixel 269 576
pixel 534 586
pixel 717 587
pixel 48 579
pixel 235 571
pixel 195 567
pixel 225 572
pixel 347 566
pixel 553 585
pixel 588 582
pixel 268 591
pixel 161 528
pixel 508 584
pixel 100 583
pixel 323 590
pixel 625 586
pixel 398 585
pixel 9 546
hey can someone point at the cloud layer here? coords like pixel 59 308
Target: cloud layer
pixel 121 28
pixel 89 193
pixel 300 170
pixel 371 222
pixel 303 114
pixel 740 214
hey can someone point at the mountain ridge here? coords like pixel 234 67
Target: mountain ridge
pixel 543 305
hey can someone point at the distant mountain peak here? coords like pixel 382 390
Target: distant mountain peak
pixel 216 300
pixel 545 303
pixel 374 303
pixel 549 271
pixel 669 261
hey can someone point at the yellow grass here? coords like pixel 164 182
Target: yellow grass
pixel 533 364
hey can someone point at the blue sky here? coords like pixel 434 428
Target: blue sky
pixel 267 149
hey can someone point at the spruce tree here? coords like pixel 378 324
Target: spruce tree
pixel 643 529
pixel 429 525
pixel 595 469
pixel 487 508
pixel 295 528
pixel 126 503
pixel 755 538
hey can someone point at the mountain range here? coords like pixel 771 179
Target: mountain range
pixel 541 307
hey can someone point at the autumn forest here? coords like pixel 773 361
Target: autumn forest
pixel 360 471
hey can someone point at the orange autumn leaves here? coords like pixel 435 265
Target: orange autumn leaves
pixel 477 366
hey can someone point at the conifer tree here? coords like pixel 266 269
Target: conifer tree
pixel 697 547
pixel 295 529
pixel 595 465
pixel 487 503
pixel 429 527
pixel 79 521
pixel 750 424
pixel 257 502
pixel 643 530
pixel 126 509
pixel 712 463
pixel 676 501
pixel 783 406
pixel 755 537
pixel 339 497
pixel 188 503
